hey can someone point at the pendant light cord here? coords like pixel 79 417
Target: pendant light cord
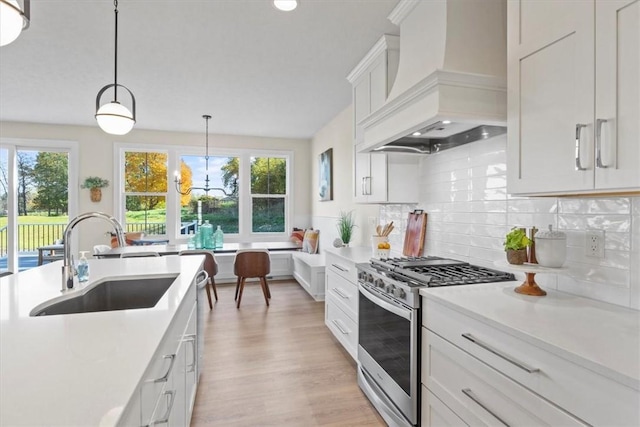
pixel 206 156
pixel 115 71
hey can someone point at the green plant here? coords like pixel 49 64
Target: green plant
pixel 345 226
pixel 516 239
pixel 95 182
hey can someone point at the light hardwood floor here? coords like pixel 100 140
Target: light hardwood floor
pixel 277 365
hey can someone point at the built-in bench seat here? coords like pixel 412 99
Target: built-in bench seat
pixel 308 270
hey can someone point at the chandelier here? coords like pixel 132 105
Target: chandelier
pixel 113 117
pixel 178 178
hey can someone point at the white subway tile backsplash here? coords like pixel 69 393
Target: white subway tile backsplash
pixel 463 191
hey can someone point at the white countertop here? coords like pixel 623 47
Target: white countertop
pixel 80 369
pixel 356 254
pixel 602 337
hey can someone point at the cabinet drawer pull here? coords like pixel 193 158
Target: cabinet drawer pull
pixel 339 292
pixel 165 377
pixel 470 395
pixel 340 327
pixel 171 394
pixel 192 339
pixel 509 359
pixel 578 134
pixel 599 164
pixel 345 270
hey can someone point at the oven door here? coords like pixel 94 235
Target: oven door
pixel 388 350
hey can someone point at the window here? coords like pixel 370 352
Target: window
pixel 219 206
pixel 268 194
pixel 38 192
pixel 145 192
pixel 248 191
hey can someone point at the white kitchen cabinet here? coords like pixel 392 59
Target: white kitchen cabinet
pixel 491 373
pixel 168 391
pixel 574 96
pixel 341 301
pixel 385 178
pixel 372 79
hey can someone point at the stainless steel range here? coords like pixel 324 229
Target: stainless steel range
pixel 389 326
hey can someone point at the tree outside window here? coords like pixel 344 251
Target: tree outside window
pixel 268 194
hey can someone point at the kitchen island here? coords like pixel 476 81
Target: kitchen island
pixel 86 368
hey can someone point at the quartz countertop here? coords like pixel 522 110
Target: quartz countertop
pixel 80 369
pixel 356 254
pixel 602 337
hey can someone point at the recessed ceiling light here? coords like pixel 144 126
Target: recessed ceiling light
pixel 416 134
pixel 285 5
pixel 446 122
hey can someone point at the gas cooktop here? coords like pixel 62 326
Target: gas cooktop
pixel 436 271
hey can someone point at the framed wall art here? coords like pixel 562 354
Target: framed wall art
pixel 325 182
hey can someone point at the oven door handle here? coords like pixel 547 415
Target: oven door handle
pixel 402 312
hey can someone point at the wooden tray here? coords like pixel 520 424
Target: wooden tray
pixel 414 235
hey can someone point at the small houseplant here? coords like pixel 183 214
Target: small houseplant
pixel 95 184
pixel 515 245
pixel 345 226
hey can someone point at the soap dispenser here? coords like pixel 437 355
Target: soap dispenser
pixel 83 267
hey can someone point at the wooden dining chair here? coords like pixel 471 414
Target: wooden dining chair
pixel 252 263
pixel 210 266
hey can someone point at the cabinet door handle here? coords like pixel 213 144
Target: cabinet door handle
pixel 498 353
pixel 339 292
pixel 192 339
pixel 368 187
pixel 578 134
pixel 340 327
pixel 171 394
pixel 363 185
pixel 467 392
pixel 599 164
pixel 165 377
pixel 345 270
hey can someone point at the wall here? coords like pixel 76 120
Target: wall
pixel 469 212
pixel 96 158
pixel 337 135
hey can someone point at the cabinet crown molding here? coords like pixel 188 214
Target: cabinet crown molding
pixel 386 42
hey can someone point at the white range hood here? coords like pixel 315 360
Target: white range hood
pixel 451 81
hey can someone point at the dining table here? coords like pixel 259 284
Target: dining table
pixel 50 253
pixel 174 249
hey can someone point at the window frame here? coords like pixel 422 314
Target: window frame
pixel 245 214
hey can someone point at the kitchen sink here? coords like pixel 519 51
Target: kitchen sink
pixel 110 295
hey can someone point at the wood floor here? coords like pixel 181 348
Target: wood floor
pixel 277 365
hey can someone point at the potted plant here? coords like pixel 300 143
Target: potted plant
pixel 516 244
pixel 345 226
pixel 95 184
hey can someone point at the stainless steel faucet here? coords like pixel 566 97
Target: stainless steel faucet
pixel 67 266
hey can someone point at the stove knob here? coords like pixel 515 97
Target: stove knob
pixel 399 292
pixel 390 289
pixel 379 283
pixel 369 278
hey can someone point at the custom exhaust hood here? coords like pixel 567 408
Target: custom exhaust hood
pixel 450 88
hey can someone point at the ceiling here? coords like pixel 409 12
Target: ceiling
pixel 256 70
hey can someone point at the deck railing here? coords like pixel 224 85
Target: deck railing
pixel 32 236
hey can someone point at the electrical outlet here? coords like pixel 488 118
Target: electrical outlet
pixel 594 243
pixel 373 221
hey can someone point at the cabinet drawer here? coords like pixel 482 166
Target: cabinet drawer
pixel 587 395
pixel 479 394
pixel 342 267
pixel 342 327
pixel 435 413
pixel 344 293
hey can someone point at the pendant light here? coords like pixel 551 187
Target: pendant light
pixel 113 117
pixel 178 179
pixel 285 5
pixel 13 19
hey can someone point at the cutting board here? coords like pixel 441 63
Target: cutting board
pixel 414 235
